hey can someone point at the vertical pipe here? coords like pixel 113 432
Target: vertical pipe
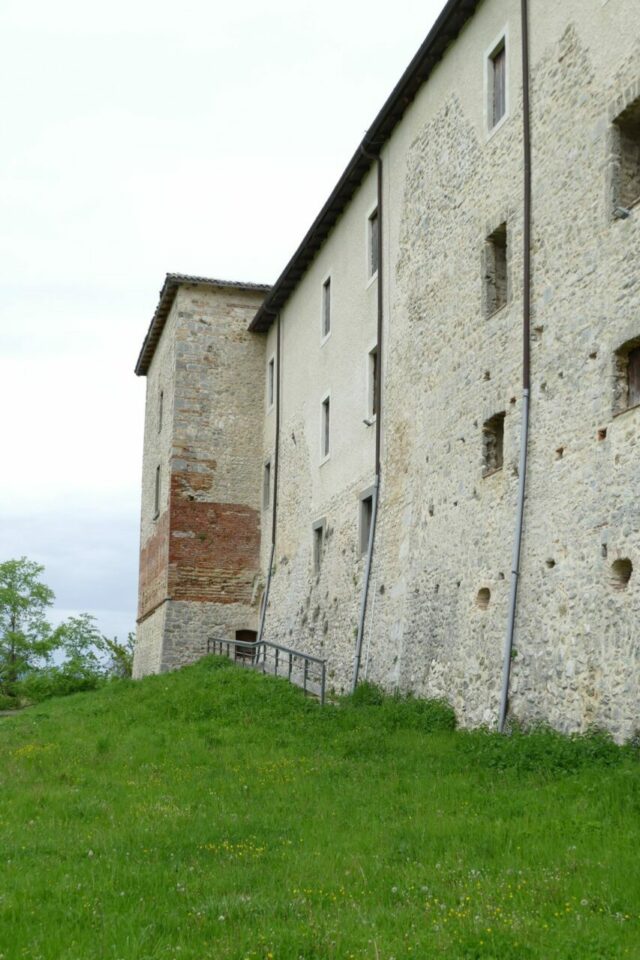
pixel 274 512
pixel 377 387
pixel 526 370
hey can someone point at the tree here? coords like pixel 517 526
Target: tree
pixel 26 638
pixel 120 655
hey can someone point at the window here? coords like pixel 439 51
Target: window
pixel 366 517
pixel 627 376
pixel 271 379
pixel 326 427
pixel 372 406
pixel 156 495
pixel 326 308
pixel 495 278
pixel 374 229
pixel 493 444
pixel 626 158
pixel 266 486
pixel 160 405
pixel 497 83
pixel 318 541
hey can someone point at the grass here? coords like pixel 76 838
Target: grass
pixel 214 813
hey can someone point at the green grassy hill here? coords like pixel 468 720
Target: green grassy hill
pixel 214 813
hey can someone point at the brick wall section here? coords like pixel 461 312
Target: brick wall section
pixel 154 558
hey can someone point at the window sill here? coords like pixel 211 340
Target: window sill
pixel 325 459
pixel 620 413
pixel 270 409
pixel 491 473
pixel 498 126
pixel 324 339
pixel 372 279
pixel 155 517
pixel 503 306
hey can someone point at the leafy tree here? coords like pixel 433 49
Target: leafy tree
pixel 120 655
pixel 26 638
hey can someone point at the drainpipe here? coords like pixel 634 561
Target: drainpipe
pixel 377 387
pixel 526 372
pixel 274 511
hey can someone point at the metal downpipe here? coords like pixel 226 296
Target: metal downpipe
pixel 274 519
pixel 526 371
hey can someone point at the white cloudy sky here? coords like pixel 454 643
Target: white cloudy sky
pixel 139 137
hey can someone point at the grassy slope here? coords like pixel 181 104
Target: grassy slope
pixel 214 813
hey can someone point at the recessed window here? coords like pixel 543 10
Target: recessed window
pixel 621 571
pixel 497 83
pixel 326 308
pixel 156 495
pixel 325 439
pixel 266 486
pixel 495 279
pixel 493 444
pixel 483 598
pixel 271 382
pixel 627 376
pixel 366 518
pixel 318 530
pixel 626 158
pixel 372 382
pixel 373 234
pixel 160 411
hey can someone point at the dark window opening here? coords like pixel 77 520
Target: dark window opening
pixel 318 537
pixel 156 496
pixel 498 84
pixel 627 156
pixel 366 517
pixel 627 376
pixel 271 381
pixel 266 486
pixel 493 444
pixel 495 271
pixel 326 426
pixel 374 228
pixel 326 308
pixel 373 382
pixel 160 406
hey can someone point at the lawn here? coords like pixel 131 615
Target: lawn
pixel 215 813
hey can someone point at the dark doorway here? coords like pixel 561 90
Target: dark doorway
pixel 245 654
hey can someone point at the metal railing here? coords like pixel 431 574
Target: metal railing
pixel 302 669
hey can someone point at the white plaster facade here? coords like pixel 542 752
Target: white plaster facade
pixel 445 529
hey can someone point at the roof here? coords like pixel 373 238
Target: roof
pixel 446 28
pixel 167 295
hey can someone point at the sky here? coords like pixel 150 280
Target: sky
pixel 140 138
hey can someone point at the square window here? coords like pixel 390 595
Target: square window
pixel 497 83
pixel 626 158
pixel 495 277
pixel 326 427
pixel 627 376
pixel 493 444
pixel 366 518
pixel 374 240
pixel 326 307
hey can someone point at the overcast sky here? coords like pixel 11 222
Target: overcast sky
pixel 140 137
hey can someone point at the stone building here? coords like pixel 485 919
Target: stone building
pixel 424 439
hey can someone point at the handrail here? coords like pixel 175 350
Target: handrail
pixel 258 650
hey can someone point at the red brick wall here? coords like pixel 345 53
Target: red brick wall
pixel 154 557
pixel 213 547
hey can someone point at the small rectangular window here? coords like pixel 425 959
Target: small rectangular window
pixel 156 496
pixel 318 540
pixel 374 229
pixel 326 427
pixel 627 376
pixel 366 516
pixel 266 486
pixel 498 83
pixel 495 271
pixel 271 382
pixel 160 406
pixel 373 379
pixel 626 153
pixel 326 307
pixel 493 444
